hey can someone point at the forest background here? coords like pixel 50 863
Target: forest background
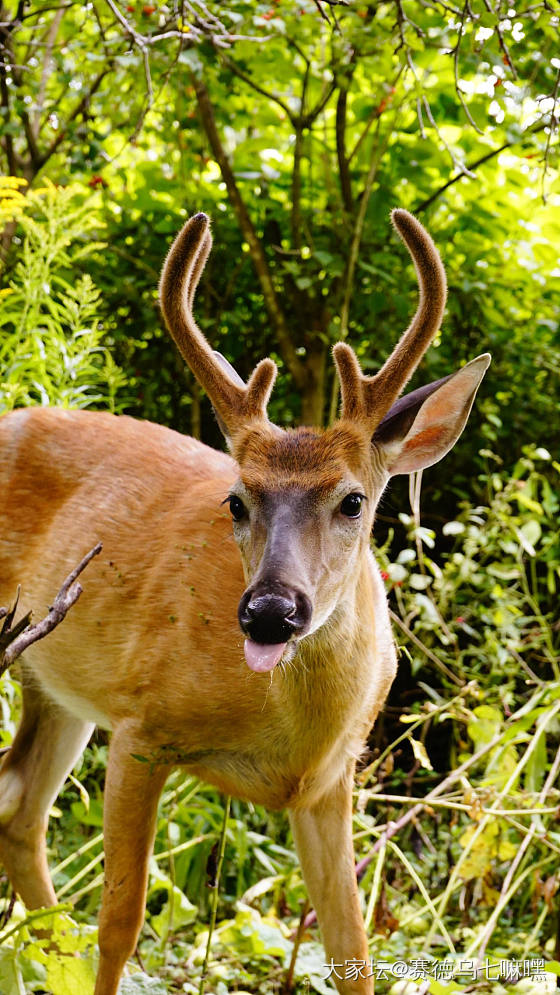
pixel 297 126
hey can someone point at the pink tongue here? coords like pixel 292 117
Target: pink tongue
pixel 263 657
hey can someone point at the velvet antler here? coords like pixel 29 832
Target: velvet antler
pixel 368 398
pixel 235 403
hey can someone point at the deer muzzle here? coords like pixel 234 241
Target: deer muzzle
pixel 269 619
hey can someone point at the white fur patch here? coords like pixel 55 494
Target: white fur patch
pixel 11 793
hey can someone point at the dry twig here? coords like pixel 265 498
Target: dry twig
pixel 14 640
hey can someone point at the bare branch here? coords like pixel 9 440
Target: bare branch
pixel 39 11
pixel 507 57
pixel 78 109
pixel 8 65
pixel 322 102
pixel 202 24
pixel 472 166
pixel 330 4
pixel 343 159
pixel 552 128
pixel 135 36
pixel 375 114
pixel 456 162
pixel 321 11
pixel 18 638
pixel 8 140
pixel 458 90
pixel 47 69
pixel 256 86
pixel 444 6
pixel 299 126
pixel 258 257
pixel 296 188
pixel 377 153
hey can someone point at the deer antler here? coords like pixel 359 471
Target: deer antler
pixel 233 401
pixel 368 399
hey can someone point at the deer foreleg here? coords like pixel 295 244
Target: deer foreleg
pixel 132 791
pixel 323 838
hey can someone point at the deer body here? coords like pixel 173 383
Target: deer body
pixel 257 660
pixel 261 737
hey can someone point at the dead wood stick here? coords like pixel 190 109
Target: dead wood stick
pixel 13 641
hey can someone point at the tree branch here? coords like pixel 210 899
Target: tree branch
pixel 458 90
pixel 343 161
pixel 258 257
pixel 505 50
pixel 47 69
pixel 552 128
pixel 80 107
pixel 5 103
pixel 296 188
pixel 299 125
pixel 472 167
pixel 376 156
pixel 375 114
pixel 8 64
pixel 322 102
pixel 255 86
pixel 13 641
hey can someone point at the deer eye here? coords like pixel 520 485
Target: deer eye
pixel 237 508
pixel 351 506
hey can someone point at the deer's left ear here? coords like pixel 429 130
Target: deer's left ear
pixel 424 425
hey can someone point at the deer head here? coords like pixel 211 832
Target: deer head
pixel 304 502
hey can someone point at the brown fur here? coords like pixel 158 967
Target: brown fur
pixel 307 458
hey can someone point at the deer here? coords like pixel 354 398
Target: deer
pixel 235 624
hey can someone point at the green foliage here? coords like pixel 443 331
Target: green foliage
pixel 62 964
pixel 449 112
pixel 51 328
pixel 495 596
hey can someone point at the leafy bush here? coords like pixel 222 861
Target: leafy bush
pixel 497 586
pixel 51 324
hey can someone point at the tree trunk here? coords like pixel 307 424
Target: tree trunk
pixel 313 399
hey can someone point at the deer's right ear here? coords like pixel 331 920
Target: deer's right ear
pixel 423 426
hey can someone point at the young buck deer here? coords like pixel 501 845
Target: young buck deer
pixel 257 661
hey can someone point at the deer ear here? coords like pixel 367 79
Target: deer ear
pixel 423 426
pixel 233 375
pixel 228 368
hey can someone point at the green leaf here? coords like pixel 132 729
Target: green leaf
pixel 11 981
pixel 537 765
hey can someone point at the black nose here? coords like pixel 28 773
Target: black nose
pixel 272 617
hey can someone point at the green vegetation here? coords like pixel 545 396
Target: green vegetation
pixel 297 126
